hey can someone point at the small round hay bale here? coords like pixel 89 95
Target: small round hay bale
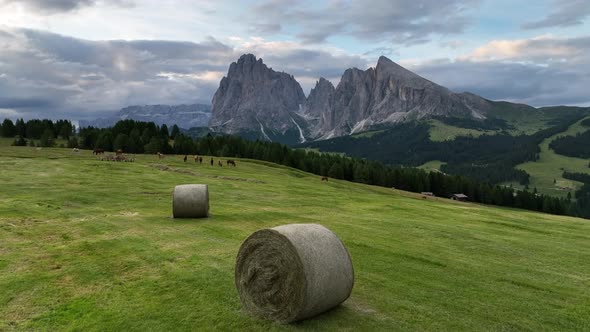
pixel 190 201
pixel 293 272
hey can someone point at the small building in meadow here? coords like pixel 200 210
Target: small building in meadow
pixel 459 197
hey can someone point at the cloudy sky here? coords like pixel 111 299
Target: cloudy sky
pixel 80 58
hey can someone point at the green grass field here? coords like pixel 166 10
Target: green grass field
pixel 367 133
pixel 433 165
pixel 551 165
pixel 440 131
pixel 87 245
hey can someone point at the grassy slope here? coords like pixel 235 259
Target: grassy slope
pixel 550 166
pixel 524 119
pixel 90 245
pixel 440 131
pixel 433 165
pixel 370 133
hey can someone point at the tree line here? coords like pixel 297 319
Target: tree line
pixel 45 131
pixel 146 137
pixel 582 205
pixel 572 146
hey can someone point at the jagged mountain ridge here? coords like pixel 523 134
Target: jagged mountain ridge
pixel 254 98
pixel 185 116
pixel 389 93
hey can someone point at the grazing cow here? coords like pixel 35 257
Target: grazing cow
pixel 211 161
pixel 200 160
pixel 119 152
pixel 76 150
pixel 231 162
pixel 160 155
pixel 98 151
pixel 185 158
pixel 219 163
pixel 324 178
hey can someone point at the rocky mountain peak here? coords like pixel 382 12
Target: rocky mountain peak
pixel 318 101
pixel 388 69
pixel 254 98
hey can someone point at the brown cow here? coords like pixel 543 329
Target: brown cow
pixel 324 178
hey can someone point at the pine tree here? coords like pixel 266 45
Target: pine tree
pixel 8 128
pixel 21 127
pixel 121 142
pixel 175 132
pixel 47 139
pixel 19 141
pixel 73 143
pixel 164 133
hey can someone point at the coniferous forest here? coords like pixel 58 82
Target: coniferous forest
pixel 141 137
pixel 487 158
pixel 573 146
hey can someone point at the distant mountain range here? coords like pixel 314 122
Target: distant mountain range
pixel 254 100
pixel 185 116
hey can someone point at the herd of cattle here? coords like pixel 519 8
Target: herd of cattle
pixel 120 156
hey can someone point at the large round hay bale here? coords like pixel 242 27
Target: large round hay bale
pixel 292 272
pixel 190 201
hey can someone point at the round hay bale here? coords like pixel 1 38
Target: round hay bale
pixel 190 201
pixel 293 272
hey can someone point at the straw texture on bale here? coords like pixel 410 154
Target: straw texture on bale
pixel 293 272
pixel 190 201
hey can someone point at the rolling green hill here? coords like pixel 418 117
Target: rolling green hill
pixel 514 119
pixel 511 147
pixel 90 245
pixel 551 166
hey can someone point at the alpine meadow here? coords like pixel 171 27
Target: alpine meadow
pixel 90 245
pixel 269 165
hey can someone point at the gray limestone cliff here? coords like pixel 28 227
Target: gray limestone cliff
pixel 254 98
pixel 390 93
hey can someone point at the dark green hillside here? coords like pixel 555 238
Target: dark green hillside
pixel 573 146
pixel 489 158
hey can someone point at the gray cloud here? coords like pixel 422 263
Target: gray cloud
pixel 59 6
pixel 400 21
pixel 48 75
pixel 540 71
pixel 524 83
pixel 43 74
pixel 566 13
